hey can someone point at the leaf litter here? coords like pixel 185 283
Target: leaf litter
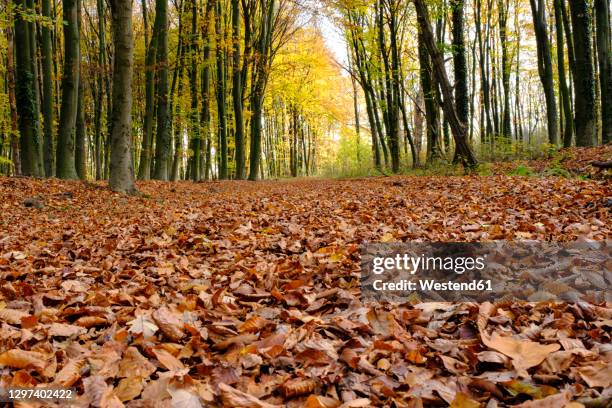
pixel 241 294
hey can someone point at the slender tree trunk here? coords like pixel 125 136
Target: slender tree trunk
pixel 205 116
pixel 47 87
pixel 564 94
pixel 460 65
pixel 15 151
pixel 80 154
pixel 98 142
pixel 65 159
pixel 261 72
pixel 221 94
pixel 163 140
pixel 505 67
pixel 545 67
pixel 146 151
pixel 604 50
pixel 194 116
pixel 237 92
pixel 464 151
pixel 121 167
pixel 584 74
pixel 432 113
pixel 26 100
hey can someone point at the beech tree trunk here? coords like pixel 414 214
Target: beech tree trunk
pixel 163 140
pixel 545 67
pixel 604 51
pixel 25 94
pixel 146 151
pixel 464 152
pixel 564 94
pixel 65 159
pixel 121 168
pixel 47 91
pixel 237 92
pixel 584 74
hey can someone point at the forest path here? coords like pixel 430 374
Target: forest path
pixel 266 275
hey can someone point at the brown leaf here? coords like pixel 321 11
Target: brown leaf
pixel 319 401
pixel 17 358
pixel 70 373
pixel 134 364
pixel 169 323
pixel 12 316
pixel 65 330
pixel 524 353
pixel 597 374
pixel 233 398
pixel 128 388
pixel 298 386
pixel 253 325
pixel 167 360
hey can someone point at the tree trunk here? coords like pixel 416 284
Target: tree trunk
pixel 460 65
pixel 545 67
pixel 261 72
pixel 205 116
pixel 65 159
pixel 503 35
pixel 432 112
pixel 237 92
pixel 121 168
pixel 221 94
pixel 146 150
pixel 584 74
pixel 163 140
pixel 194 116
pixel 15 152
pixel 80 153
pixel 564 94
pixel 464 152
pixel 47 94
pixel 26 101
pixel 604 51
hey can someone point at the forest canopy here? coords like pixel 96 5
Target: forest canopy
pixel 228 89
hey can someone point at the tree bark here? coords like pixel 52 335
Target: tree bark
pixel 221 87
pixel 25 93
pixel 545 67
pixel 65 159
pixel 237 92
pixel 121 168
pixel 194 116
pixel 47 87
pixel 568 125
pixel 163 140
pixel 460 65
pixel 146 151
pixel 464 152
pixel 604 51
pixel 584 74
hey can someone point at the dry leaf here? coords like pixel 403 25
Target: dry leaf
pixel 233 398
pixel 524 353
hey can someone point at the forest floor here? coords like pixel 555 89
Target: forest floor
pixel 240 294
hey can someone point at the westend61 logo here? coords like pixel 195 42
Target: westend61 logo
pixel 525 270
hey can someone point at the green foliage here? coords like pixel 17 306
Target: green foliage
pixel 523 171
pixel 556 172
pixel 349 159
